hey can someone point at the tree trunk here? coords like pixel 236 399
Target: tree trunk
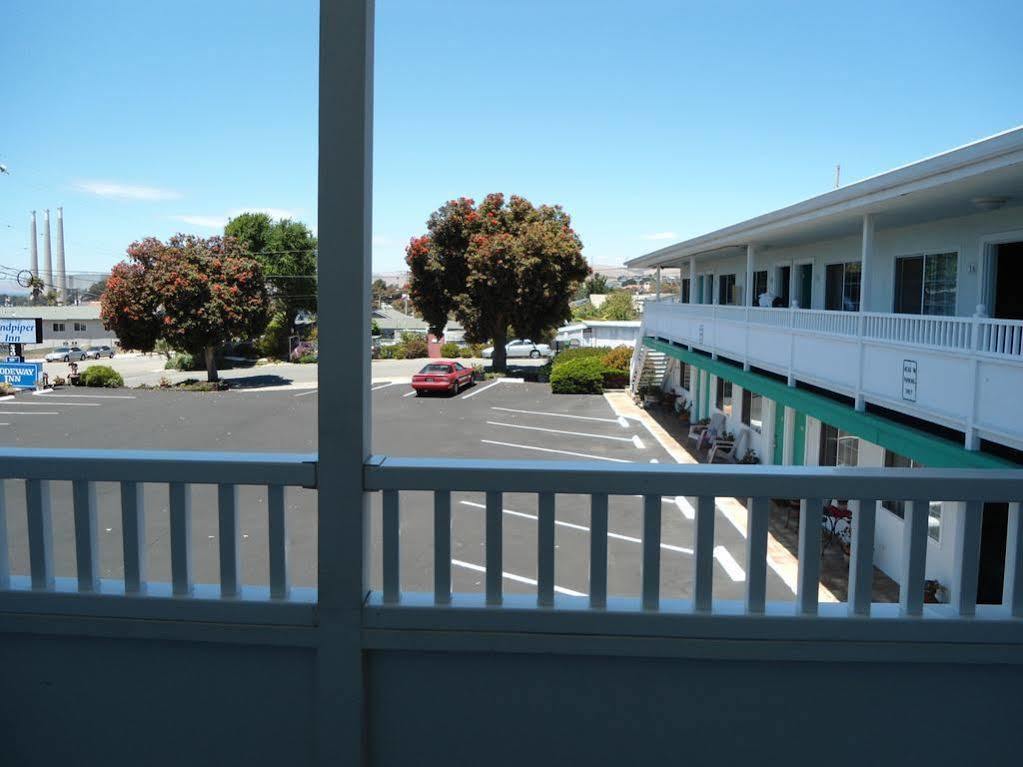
pixel 499 362
pixel 211 365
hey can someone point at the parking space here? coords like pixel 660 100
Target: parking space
pixel 503 419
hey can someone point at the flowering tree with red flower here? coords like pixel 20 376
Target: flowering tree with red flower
pixel 496 266
pixel 194 293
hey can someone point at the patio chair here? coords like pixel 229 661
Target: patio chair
pixel 726 449
pixel 717 423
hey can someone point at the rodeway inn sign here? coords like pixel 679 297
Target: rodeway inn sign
pixel 29 331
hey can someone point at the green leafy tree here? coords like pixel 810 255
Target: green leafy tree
pixel 95 290
pixel 596 284
pixel 618 306
pixel 384 293
pixel 496 266
pixel 195 294
pixel 286 250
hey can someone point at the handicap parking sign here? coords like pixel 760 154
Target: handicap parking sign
pixel 20 375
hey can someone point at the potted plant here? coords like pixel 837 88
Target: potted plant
pixel 750 458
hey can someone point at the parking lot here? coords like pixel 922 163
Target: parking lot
pixel 493 419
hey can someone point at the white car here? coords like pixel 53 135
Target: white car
pixel 65 354
pixel 521 347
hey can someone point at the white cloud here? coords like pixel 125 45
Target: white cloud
pixel 209 222
pixel 116 191
pixel 660 236
pixel 271 212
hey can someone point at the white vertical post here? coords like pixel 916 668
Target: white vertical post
pixel 391 546
pixel 967 559
pixel 866 256
pixel 40 533
pixel 788 437
pixel 914 557
pixel 227 519
pixel 651 567
pixel 810 514
pixel 861 557
pixel 133 537
pixel 545 550
pixel 278 537
pixel 86 543
pixel 5 565
pixel 598 549
pixel 442 547
pixel 703 558
pixel 658 284
pixel 343 416
pixel 757 521
pixel 494 547
pixel 692 279
pixel 180 538
pixel 750 254
pixel 1012 587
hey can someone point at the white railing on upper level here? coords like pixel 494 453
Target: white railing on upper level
pixel 178 471
pixel 391 476
pixel 982 335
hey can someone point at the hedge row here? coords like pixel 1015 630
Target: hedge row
pixel 101 375
pixel 590 370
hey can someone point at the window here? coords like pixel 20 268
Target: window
pixel 759 285
pixel 753 410
pixel 684 294
pixel 838 448
pixel 79 327
pixel 926 284
pixel 686 375
pixel 726 289
pixel 58 327
pixel 724 396
pixel 898 508
pixel 842 287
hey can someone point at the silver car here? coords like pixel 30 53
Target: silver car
pixel 96 352
pixel 65 354
pixel 521 347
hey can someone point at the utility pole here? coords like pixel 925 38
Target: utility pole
pixel 838 176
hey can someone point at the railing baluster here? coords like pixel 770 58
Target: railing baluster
pixel 442 547
pixel 227 517
pixel 651 552
pixel 967 560
pixel 914 557
pixel 86 543
pixel 861 557
pixel 545 550
pixel 703 547
pixel 757 521
pixel 598 550
pixel 391 547
pixel 278 542
pixel 5 565
pixel 810 515
pixel 133 537
pixel 1012 588
pixel 495 547
pixel 40 533
pixel 180 538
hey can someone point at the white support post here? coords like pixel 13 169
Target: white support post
pixel 757 520
pixel 658 284
pixel 914 557
pixel 861 557
pixel 866 256
pixel 5 567
pixel 651 567
pixel 227 519
pixel 750 298
pixel 181 538
pixel 1012 587
pixel 703 554
pixel 598 550
pixel 789 437
pixel 808 577
pixel 967 559
pixel 86 542
pixel 40 533
pixel 692 279
pixel 343 416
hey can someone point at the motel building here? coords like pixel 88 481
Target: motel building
pixel 876 325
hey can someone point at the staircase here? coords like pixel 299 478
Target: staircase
pixel 648 367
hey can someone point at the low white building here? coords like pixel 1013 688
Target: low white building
pixel 599 333
pixel 73 325
pixel 879 324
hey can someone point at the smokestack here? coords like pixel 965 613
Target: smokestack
pixel 61 280
pixel 33 246
pixel 47 275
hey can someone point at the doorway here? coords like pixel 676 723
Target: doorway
pixel 783 279
pixel 804 285
pixel 1008 276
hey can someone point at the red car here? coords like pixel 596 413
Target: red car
pixel 442 375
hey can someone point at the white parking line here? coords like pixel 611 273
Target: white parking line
pixel 480 391
pixel 582 528
pixel 51 394
pixel 552 450
pixel 409 394
pixel 621 421
pixel 727 561
pixel 52 404
pixel 514 577
pixel 570 433
pixel 307 393
pixel 30 412
pixel 384 386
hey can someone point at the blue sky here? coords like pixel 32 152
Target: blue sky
pixel 649 122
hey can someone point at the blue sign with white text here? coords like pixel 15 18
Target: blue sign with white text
pixel 20 375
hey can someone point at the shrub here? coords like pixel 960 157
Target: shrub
pixel 182 361
pixel 578 376
pixel 580 352
pixel 615 378
pixel 6 389
pixel 414 346
pixel 451 349
pixel 466 352
pixel 101 375
pixel 303 349
pixel 274 340
pixel 619 358
pixel 307 359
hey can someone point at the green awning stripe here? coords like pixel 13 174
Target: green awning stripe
pixel 922 447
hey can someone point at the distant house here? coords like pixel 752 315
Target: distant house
pixel 73 325
pixel 393 322
pixel 599 333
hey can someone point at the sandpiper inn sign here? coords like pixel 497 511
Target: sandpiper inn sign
pixel 21 331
